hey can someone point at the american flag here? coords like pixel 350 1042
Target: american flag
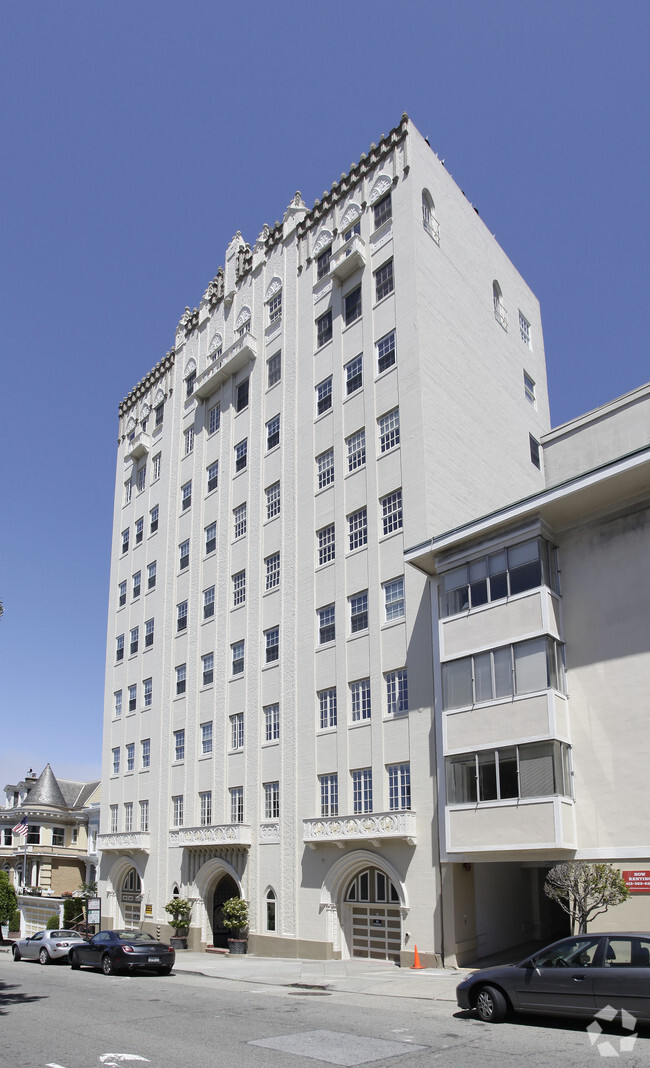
pixel 21 828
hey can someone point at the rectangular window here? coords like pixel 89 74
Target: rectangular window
pixel 391 512
pixel 241 455
pixel 151 575
pixel 145 752
pixel 134 640
pixel 136 584
pixel 189 385
pixel 388 430
pixel 155 467
pixel 399 787
pixel 181 679
pixel 119 647
pixel 139 530
pixel 324 329
pixel 130 756
pixel 179 745
pixel 394 599
pixel 358 529
pixel 117 708
pixel 113 819
pixel 327 708
pixel 241 396
pixel 206 738
pixel 383 210
pixel 353 375
pixel 160 412
pixel 148 633
pixel 525 667
pixel 272 571
pixel 354 229
pixel 58 836
pixel 329 794
pixel 385 348
pixel 352 306
pixel 133 696
pixel 210 538
pixel 323 263
pixel 271 800
pixel 275 307
pixel 208 602
pixel 147 690
pixel 237 731
pixel 324 396
pixel 356 446
pixel 326 544
pixel 273 369
pixel 535 456
pixel 141 478
pixel 362 790
pixel 273 433
pixel 237 657
pixel 529 389
pixel 524 330
pixel 205 798
pixel 128 816
pixel 181 616
pixel 502 574
pixel 116 761
pixel 125 540
pixel 121 594
pixel 207 662
pixel 384 281
pixel 239 588
pixel 213 476
pixel 214 418
pixel 538 769
pixel 360 697
pixel 177 810
pixel 326 625
pixel 271 723
pixel 153 519
pixel 128 488
pixel 144 815
pixel 239 515
pixel 273 500
pixel 184 555
pixel 358 612
pixel 186 496
pixel 272 642
pixel 325 464
pixel 237 804
pixel 188 436
pixel 397 692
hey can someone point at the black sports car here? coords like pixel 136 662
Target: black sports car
pixel 123 951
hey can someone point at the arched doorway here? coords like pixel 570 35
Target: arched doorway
pixel 372 917
pixel 225 889
pixel 131 898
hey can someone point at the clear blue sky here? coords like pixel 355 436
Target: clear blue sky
pixel 139 136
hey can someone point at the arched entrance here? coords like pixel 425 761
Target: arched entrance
pixel 131 898
pixel 372 917
pixel 225 889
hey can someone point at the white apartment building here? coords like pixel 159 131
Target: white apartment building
pixel 541 666
pixel 356 378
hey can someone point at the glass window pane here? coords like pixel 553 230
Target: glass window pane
pixel 503 672
pixel 536 770
pixel 487 777
pixel 530 666
pixel 508 781
pixel 483 677
pixel 457 683
pixel 461 780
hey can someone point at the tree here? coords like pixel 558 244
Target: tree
pixel 235 915
pixel 8 900
pixel 179 908
pixel 585 890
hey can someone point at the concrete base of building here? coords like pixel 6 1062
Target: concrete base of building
pixel 428 959
pixel 290 948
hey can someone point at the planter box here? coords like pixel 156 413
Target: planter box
pixel 237 945
pixel 178 942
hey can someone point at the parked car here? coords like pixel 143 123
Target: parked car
pixel 123 951
pixel 576 976
pixel 46 946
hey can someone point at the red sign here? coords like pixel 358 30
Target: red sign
pixel 638 882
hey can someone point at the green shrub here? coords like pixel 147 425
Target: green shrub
pixel 73 911
pixel 52 923
pixel 235 915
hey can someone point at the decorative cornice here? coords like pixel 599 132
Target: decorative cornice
pixel 146 383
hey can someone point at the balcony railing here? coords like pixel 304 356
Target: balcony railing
pixel 348 258
pixel 139 447
pixel 215 834
pixel 241 352
pixel 125 840
pixel 367 827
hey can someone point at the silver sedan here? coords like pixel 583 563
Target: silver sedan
pixel 46 946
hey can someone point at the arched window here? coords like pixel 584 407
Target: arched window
pixel 429 221
pixel 371 885
pixel 270 909
pixel 500 313
pixel 243 324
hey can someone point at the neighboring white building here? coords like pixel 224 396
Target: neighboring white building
pixel 368 371
pixel 542 660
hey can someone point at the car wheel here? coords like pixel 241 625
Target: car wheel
pixel 107 965
pixel 44 956
pixel 490 1004
pixel 165 971
pixel 16 952
pixel 74 960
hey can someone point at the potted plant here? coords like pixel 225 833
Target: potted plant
pixel 179 908
pixel 235 919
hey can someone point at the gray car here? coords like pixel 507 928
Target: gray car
pixel 577 976
pixel 46 946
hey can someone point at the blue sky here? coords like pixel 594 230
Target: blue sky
pixel 138 137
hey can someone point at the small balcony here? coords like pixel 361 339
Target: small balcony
pixel 139 447
pixel 241 352
pixel 214 834
pixel 125 842
pixel 370 827
pixel 520 827
pixel 349 258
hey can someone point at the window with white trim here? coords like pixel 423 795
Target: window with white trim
pixel 354 375
pixel 184 555
pixel 500 313
pixel 116 761
pixel 239 588
pixel 272 500
pixel 151 575
pixel 189 384
pixel 397 692
pixel 144 815
pixel 133 696
pixel 208 603
pixel 329 794
pixel 119 647
pixel 326 624
pixel 148 633
pixel 241 396
pixel 237 731
pixel 181 616
pixel 125 540
pixel 386 352
pixel 141 478
pixel 358 529
pixel 323 263
pixel 325 464
pixel 145 753
pixel 160 414
pixel 352 306
pixel 205 800
pixel 327 708
pixel 509 571
pixel 324 396
pixel 128 489
pixel 272 571
pixel 275 307
pixel 524 330
pixel 273 433
pixel 239 516
pixel 271 723
pixel 362 790
pixel 356 447
pixel 179 745
pixel 272 644
pixel 241 455
pixel 388 430
pixel 393 599
pixel 134 640
pixel 188 446
pixel 117 708
pixel 206 739
pixel 136 584
pixel 529 389
pixel 324 329
pixel 271 800
pixel 391 512
pixel 358 612
pixel 121 594
pixel 181 679
pixel 236 804
pixel 273 369
pixel 214 418
pixel 326 544
pixel 130 756
pixel 113 819
pixel 153 519
pixel 360 699
pixel 537 769
pixel 535 452
pixel 139 530
pixel 399 787
pixel 207 666
pixel 383 210
pixel 177 810
pixel 384 283
pixel 155 467
pixel 147 693
pixel 213 476
pixel 210 538
pixel 237 649
pixel 521 668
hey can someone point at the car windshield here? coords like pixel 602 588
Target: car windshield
pixel 134 936
pixel 573 953
pixel 64 934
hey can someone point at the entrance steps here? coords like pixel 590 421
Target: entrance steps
pixel 220 952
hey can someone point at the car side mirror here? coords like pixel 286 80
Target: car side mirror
pixel 531 962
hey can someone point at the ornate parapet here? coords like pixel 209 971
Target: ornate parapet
pixel 124 842
pixel 369 827
pixel 215 834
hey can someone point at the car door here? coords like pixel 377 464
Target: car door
pixel 559 980
pixel 91 952
pixel 32 947
pixel 623 980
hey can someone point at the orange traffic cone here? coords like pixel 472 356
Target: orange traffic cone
pixel 416 959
